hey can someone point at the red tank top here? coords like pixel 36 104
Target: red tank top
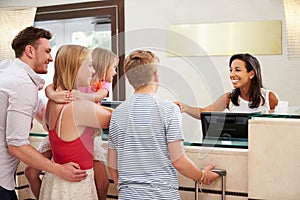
pixel 80 150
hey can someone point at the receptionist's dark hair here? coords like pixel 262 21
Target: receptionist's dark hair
pixel 256 82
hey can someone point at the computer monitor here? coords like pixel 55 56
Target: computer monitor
pixel 111 104
pixel 224 125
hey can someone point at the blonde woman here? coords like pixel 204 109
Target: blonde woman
pixel 104 62
pixel 71 126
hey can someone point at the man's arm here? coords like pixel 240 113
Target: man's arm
pixel 26 153
pixel 19 119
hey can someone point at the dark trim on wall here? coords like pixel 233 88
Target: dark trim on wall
pixel 113 8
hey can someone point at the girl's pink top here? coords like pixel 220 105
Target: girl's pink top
pixel 105 85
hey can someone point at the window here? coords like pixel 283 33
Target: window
pixel 92 24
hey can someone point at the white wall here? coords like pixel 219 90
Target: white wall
pixel 145 25
pixel 279 74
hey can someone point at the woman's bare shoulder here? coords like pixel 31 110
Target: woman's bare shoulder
pixel 228 95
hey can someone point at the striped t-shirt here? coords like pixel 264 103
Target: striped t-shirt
pixel 139 131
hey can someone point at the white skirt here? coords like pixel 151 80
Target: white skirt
pixel 100 154
pixel 53 187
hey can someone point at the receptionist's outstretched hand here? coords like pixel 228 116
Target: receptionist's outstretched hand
pixel 181 106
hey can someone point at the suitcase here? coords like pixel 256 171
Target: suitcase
pixel 222 173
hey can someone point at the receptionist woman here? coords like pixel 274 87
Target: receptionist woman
pixel 248 94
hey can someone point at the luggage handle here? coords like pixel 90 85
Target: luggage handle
pixel 222 173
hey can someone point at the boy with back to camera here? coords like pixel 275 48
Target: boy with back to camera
pixel 146 140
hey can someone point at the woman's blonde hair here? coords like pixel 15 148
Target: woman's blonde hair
pixel 102 60
pixel 68 60
pixel 140 67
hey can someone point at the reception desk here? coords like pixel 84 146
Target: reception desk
pixel 266 166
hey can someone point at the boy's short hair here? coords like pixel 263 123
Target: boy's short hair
pixel 140 67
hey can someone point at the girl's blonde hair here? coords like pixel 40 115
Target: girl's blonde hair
pixel 140 67
pixel 102 60
pixel 68 60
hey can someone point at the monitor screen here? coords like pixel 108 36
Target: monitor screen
pixel 224 125
pixel 111 104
